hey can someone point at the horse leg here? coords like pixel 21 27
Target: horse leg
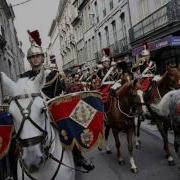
pixel 137 131
pixel 118 144
pixel 130 148
pixel 107 131
pixel 164 133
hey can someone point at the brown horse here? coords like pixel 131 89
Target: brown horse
pixel 170 80
pixel 123 107
pixel 125 77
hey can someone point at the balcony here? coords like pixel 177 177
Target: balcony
pixel 164 16
pixel 120 47
pixel 123 45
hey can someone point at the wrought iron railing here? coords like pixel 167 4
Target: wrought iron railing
pixel 162 17
pixel 123 45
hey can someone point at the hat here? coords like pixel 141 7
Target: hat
pixel 145 52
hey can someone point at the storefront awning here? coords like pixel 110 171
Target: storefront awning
pixel 158 44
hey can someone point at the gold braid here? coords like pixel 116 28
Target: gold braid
pixel 49 83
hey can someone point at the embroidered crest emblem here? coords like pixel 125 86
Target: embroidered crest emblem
pixel 83 113
pixel 87 137
pixel 64 134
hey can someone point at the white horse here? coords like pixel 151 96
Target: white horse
pixel 41 155
pixel 169 108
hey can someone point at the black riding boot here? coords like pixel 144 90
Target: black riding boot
pixel 82 161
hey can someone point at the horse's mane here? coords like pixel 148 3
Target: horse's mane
pixel 123 90
pixel 25 85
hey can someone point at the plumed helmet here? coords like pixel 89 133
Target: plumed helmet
pixel 105 58
pixel 145 52
pixel 35 48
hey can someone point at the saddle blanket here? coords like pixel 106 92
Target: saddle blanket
pixel 79 117
pixel 6 130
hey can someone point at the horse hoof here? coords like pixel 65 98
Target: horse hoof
pixel 171 163
pixel 121 162
pixel 100 149
pixel 134 170
pixel 108 152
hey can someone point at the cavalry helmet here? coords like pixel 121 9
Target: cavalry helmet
pixel 35 41
pixel 34 50
pixel 145 52
pixel 105 58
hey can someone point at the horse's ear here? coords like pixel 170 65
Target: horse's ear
pixel 8 85
pixel 168 68
pixel 40 78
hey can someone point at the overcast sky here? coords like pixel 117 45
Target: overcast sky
pixel 36 14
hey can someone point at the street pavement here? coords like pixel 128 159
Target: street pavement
pixel 150 159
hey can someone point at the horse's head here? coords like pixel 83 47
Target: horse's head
pixel 172 78
pixel 128 96
pixel 30 119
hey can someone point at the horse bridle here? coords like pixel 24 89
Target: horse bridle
pixel 26 116
pixel 34 140
pixel 38 139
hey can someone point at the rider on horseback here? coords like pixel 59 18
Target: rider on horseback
pixel 144 69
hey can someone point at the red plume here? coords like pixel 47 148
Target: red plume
pixel 107 51
pixel 35 36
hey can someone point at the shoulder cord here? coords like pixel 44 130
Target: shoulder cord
pixel 52 80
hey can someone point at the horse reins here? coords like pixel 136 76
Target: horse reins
pixel 124 113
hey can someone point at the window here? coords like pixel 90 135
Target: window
pixel 107 35
pixel 104 12
pixel 97 13
pixel 104 8
pixel 111 4
pixel 114 31
pixel 123 23
pixel 93 48
pixel 144 9
pixel 100 40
